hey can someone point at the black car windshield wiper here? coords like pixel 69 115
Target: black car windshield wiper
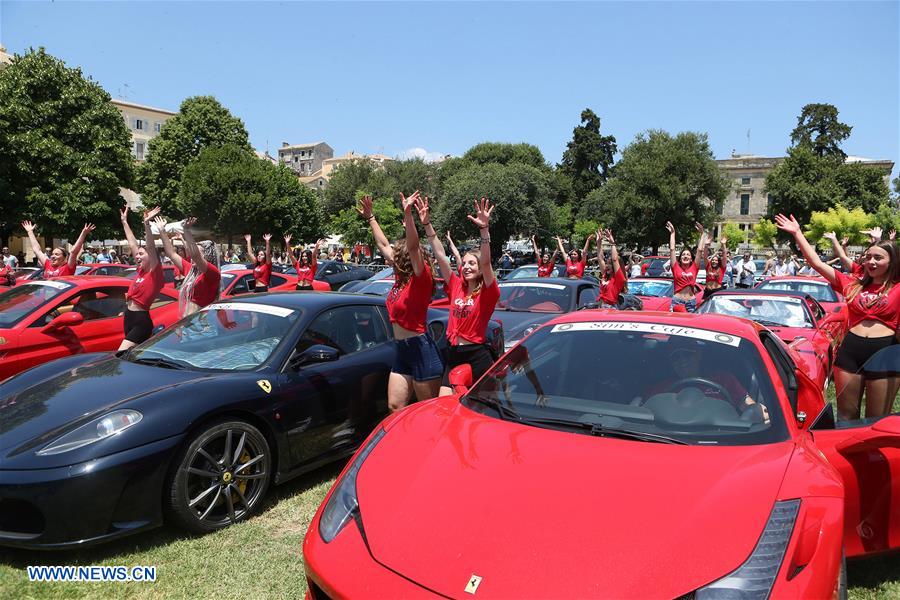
pixel 505 411
pixel 607 431
pixel 165 363
pixel 768 323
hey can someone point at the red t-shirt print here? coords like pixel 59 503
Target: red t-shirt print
pixel 546 269
pixel 307 273
pixel 684 278
pixel 469 314
pixel 262 272
pixel 146 286
pixel 60 271
pixel 871 302
pixel 609 291
pixel 575 269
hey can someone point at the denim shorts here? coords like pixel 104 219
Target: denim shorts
pixel 418 357
pixel 689 305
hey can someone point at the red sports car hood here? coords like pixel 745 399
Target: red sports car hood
pixel 450 493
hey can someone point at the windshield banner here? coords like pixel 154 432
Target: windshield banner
pixel 278 311
pixel 689 332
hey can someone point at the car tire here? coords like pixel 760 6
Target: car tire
pixel 842 578
pixel 220 477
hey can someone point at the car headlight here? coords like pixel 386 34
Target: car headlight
pixel 343 504
pixel 106 426
pixel 755 578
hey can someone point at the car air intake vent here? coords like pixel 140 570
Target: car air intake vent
pixel 20 519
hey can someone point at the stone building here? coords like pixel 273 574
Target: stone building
pixel 305 159
pixel 748 201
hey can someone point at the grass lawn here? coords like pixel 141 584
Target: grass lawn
pixel 261 558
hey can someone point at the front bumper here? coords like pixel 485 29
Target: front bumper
pixel 87 503
pixel 344 568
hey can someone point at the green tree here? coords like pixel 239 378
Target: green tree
pixel 353 228
pixel 819 129
pixel 64 149
pixel 734 234
pixel 588 157
pixel 345 181
pixel 521 193
pixel 234 192
pixel 505 154
pixel 842 221
pixel 887 217
pixel 584 228
pixel 804 183
pixel 764 233
pixel 202 122
pixel 659 178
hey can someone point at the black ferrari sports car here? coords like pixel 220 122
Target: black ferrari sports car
pixel 196 423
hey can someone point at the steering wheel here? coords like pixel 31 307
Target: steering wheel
pixel 687 380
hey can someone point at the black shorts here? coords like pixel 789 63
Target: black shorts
pixel 478 356
pixel 260 289
pixel 304 285
pixel 856 350
pixel 138 326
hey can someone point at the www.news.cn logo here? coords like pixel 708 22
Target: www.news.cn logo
pixel 91 573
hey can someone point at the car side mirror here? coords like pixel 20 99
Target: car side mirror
pixel 318 353
pixel 461 378
pixel 68 319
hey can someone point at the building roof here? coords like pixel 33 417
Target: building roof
pixel 265 156
pixel 142 106
pixel 292 146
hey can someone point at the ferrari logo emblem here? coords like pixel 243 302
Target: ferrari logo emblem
pixel 474 582
pixel 265 385
pixel 2 340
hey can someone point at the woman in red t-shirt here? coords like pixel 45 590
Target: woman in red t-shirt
pixel 545 262
pixel 417 362
pixel 715 267
pixel 60 262
pixel 612 277
pixel 305 265
pixel 577 259
pixel 472 296
pixel 138 325
pixel 200 271
pixel 262 264
pixel 873 301
pixel 684 271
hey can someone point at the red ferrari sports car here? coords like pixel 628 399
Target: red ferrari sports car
pixel 798 319
pixel 654 292
pixel 170 274
pixel 241 281
pixel 103 269
pixel 615 455
pixel 44 320
pixel 817 287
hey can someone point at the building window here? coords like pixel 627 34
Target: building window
pixel 138 124
pixel 745 181
pixel 157 127
pixel 296 159
pixel 745 204
pixel 139 150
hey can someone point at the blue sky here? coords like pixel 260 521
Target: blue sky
pixel 389 77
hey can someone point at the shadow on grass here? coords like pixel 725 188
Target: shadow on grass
pixel 875 571
pixel 142 542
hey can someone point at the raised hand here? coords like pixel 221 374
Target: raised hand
pixel 449 237
pixel 364 207
pixel 247 237
pixel 150 214
pixel 483 210
pixel 609 236
pixel 669 227
pixel 892 234
pixel 160 224
pixel 723 240
pixel 28 226
pixel 845 240
pixel 422 208
pixel 408 203
pixel 874 233
pixel 788 224
pixel 88 227
pixel 699 227
pixel 123 213
pixel 189 222
pixel 267 236
pixel 830 235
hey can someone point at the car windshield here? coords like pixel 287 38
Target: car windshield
pixel 820 291
pixel 655 289
pixel 766 310
pixel 226 336
pixel 81 269
pixel 535 297
pixel 22 300
pixel 686 384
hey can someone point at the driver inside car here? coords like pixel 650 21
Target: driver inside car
pixel 687 364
